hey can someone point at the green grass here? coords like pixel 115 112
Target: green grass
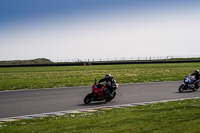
pixel 15 78
pixel 174 117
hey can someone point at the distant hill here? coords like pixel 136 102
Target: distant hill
pixel 26 62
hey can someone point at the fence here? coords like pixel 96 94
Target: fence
pixel 127 59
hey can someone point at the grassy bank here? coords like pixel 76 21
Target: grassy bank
pixel 176 116
pixel 26 62
pixel 15 78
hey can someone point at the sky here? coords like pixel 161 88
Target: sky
pixel 67 30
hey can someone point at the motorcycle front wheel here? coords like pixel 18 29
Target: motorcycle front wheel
pixel 181 88
pixel 88 98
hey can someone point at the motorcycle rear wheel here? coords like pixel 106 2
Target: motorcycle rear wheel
pixel 108 99
pixel 195 89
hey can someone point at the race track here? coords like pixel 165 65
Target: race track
pixel 28 102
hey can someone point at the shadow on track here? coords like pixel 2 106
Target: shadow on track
pixel 94 103
pixel 187 91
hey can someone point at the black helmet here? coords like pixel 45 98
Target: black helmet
pixel 108 76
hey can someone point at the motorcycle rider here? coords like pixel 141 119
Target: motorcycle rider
pixel 197 75
pixel 110 83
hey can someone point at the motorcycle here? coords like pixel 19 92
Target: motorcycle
pixel 189 84
pixel 98 93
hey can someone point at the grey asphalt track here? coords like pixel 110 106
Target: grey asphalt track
pixel 28 102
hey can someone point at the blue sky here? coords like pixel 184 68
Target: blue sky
pixel 87 29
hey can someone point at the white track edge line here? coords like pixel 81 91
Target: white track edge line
pixel 86 109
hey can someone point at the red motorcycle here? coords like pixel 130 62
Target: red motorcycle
pixel 99 93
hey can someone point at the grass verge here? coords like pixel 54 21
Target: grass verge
pixel 176 116
pixel 64 76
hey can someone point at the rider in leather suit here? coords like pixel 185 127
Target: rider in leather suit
pixel 110 83
pixel 197 75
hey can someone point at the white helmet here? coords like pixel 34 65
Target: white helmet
pixel 196 71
